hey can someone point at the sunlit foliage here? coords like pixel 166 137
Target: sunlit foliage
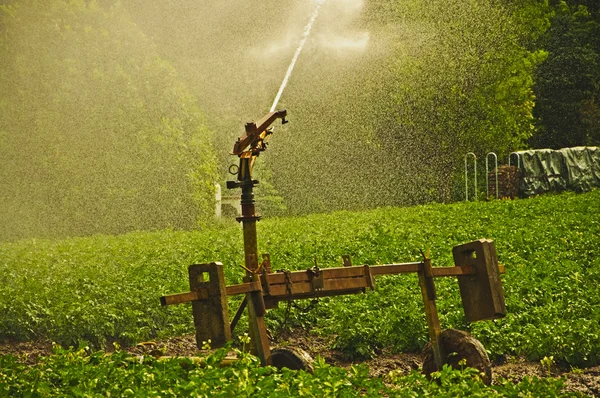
pixel 99 289
pixel 97 132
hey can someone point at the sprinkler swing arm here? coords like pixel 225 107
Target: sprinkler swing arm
pixel 476 268
pixel 256 132
pixel 251 144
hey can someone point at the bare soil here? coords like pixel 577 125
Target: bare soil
pixel 586 380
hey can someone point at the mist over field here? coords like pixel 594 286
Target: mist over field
pixel 120 116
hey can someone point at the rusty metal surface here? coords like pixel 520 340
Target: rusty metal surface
pixel 256 132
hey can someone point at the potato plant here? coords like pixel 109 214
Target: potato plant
pixel 100 289
pixel 81 373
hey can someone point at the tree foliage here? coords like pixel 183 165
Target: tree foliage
pixel 568 83
pixel 462 82
pixel 103 135
pixel 383 124
pixel 391 126
pixel 97 133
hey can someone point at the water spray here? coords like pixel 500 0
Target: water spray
pixel 307 30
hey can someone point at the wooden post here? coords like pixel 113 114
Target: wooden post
pixel 481 293
pixel 433 322
pixel 211 316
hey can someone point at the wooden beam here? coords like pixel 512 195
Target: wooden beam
pixel 179 298
pixel 335 279
pixel 242 288
pixel 453 271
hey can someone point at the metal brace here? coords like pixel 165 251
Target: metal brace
pixel 316 277
pixel 369 276
pixel 347 260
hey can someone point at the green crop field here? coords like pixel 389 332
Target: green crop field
pixel 80 374
pixel 97 290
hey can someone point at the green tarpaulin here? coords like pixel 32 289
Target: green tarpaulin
pixel 545 170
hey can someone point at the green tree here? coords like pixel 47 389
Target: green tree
pixel 386 123
pixel 463 83
pixel 568 83
pixel 97 132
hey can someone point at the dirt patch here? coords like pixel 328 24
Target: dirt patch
pixel 29 352
pixel 320 346
pixel 174 346
pixel 586 381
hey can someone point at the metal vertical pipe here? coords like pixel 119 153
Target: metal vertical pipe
pixel 518 159
pixel 487 183
pixel 256 306
pixel 467 175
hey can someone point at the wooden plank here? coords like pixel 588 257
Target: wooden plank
pixel 242 288
pixel 385 269
pixel 179 298
pixel 431 315
pixel 453 271
pixel 345 283
pixel 394 269
pixel 301 278
pixel 280 278
pixel 330 285
pixel 344 272
pixel 311 295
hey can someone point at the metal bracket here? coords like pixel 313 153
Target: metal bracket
pixel 265 281
pixel 316 278
pixel 347 260
pixel 369 276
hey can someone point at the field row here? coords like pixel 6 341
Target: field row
pixel 81 373
pixel 100 289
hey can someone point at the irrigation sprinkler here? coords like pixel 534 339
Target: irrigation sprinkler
pixel 467 176
pixel 487 172
pixel 476 268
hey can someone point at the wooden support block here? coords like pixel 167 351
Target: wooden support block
pixel 481 293
pixel 211 316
